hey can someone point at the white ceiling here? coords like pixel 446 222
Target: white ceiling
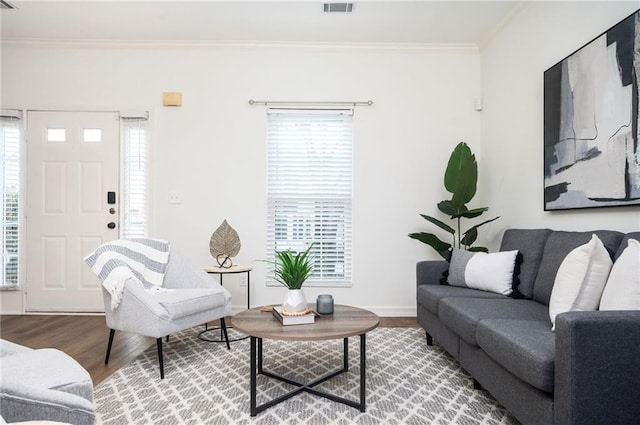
pixel 375 22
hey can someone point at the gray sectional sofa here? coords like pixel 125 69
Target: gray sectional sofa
pixel 586 372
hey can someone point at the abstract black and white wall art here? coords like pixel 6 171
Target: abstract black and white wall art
pixel 591 153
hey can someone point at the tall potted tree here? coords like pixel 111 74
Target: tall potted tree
pixel 460 179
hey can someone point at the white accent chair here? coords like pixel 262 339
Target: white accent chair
pixel 44 384
pixel 194 298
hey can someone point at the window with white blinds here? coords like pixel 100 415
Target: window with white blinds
pixel 10 137
pixel 310 189
pixel 134 206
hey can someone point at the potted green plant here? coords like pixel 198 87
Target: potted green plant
pixel 460 179
pixel 292 270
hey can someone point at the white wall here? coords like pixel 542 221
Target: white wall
pixel 211 151
pixel 513 63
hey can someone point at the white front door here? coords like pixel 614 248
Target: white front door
pixel 72 165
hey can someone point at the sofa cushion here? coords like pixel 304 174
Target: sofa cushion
pixel 558 245
pixel 463 314
pixel 429 296
pixel 184 302
pixel 525 348
pixel 480 270
pixel 530 243
pixel 580 279
pixel 625 243
pixel 622 291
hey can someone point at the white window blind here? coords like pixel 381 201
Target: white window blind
pixel 134 206
pixel 310 189
pixel 10 136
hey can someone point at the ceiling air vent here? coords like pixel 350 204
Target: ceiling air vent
pixel 6 5
pixel 337 7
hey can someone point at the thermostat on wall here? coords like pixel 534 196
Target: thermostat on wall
pixel 171 99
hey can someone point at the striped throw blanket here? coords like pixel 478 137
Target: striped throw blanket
pixel 144 260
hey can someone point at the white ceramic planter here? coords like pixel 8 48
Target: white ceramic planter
pixel 294 301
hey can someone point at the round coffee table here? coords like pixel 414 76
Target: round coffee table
pixel 345 321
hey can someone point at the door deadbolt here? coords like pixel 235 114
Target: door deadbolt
pixel 111 225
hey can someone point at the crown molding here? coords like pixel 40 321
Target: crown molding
pixel 469 48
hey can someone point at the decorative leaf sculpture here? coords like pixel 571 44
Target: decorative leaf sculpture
pixel 224 244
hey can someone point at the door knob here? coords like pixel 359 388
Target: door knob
pixel 111 225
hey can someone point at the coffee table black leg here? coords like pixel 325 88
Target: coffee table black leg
pixel 259 355
pixel 253 378
pixel 345 357
pixel 363 373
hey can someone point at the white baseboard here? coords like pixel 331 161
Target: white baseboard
pixel 395 311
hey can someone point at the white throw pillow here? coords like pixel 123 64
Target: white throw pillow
pixel 580 279
pixel 479 270
pixel 622 291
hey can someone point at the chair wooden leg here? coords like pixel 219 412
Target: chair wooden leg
pixel 112 332
pixel 159 344
pixel 223 325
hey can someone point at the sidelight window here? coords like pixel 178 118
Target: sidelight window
pixel 10 138
pixel 134 203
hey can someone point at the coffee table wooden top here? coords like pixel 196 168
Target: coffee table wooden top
pixel 345 321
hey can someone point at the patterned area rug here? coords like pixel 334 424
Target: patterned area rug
pixel 407 383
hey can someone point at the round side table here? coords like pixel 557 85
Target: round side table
pixel 221 271
pixel 238 268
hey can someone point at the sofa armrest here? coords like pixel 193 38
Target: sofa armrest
pixel 597 367
pixel 136 307
pixel 20 402
pixel 430 272
pixel 8 348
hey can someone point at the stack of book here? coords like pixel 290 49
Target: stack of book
pixel 303 319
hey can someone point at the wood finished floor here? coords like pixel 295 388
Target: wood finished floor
pixel 85 338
